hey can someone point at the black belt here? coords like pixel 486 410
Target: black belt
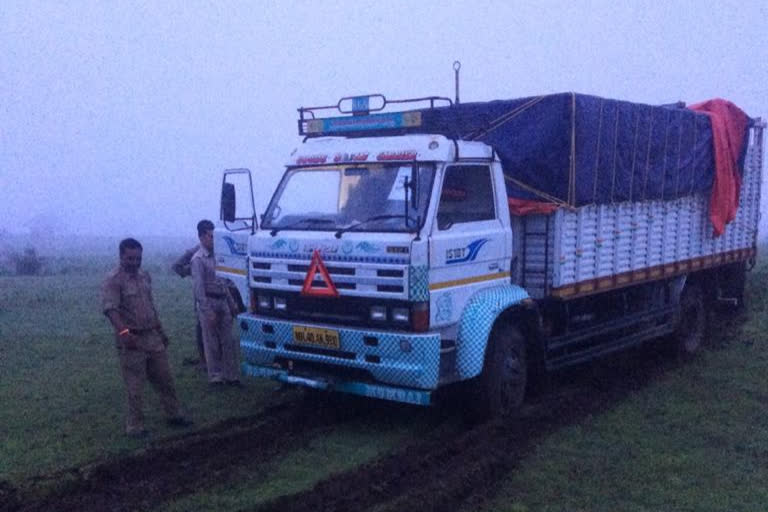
pixel 215 295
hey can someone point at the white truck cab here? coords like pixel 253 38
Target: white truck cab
pixel 367 256
pixel 389 262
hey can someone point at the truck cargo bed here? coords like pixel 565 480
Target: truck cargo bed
pixel 577 252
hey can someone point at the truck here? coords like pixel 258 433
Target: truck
pixel 422 245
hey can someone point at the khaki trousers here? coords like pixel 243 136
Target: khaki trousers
pixel 140 365
pixel 222 353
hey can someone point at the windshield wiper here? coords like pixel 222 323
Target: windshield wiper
pixel 309 220
pixel 372 219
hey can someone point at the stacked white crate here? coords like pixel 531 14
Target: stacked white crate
pixel 611 245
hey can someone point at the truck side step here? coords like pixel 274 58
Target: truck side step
pixel 604 349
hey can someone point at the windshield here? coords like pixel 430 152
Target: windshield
pixel 369 197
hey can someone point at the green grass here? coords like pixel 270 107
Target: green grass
pixel 334 450
pixel 60 386
pixel 694 439
pixel 62 394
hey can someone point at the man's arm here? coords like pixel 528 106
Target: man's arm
pixel 182 266
pixel 110 299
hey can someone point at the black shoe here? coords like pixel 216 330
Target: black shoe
pixel 138 434
pixel 190 361
pixel 235 383
pixel 179 422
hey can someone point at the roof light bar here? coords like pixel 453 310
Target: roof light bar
pixel 335 125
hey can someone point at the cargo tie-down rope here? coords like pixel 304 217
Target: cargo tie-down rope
pixel 501 120
pixel 678 168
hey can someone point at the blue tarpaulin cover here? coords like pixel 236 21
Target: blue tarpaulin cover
pixel 578 149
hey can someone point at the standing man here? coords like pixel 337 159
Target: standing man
pixel 141 342
pixel 215 309
pixel 183 268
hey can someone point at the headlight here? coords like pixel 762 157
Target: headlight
pixel 400 315
pixel 265 302
pixel 378 313
pixel 280 304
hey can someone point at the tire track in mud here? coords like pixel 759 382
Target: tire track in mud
pixel 461 468
pixel 455 467
pixel 448 467
pixel 174 467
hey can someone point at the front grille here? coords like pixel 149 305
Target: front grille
pixel 321 284
pixel 359 279
pixel 341 271
pixel 389 288
pixel 345 310
pixel 386 272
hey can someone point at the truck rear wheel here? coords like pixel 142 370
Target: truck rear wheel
pixel 500 389
pixel 692 321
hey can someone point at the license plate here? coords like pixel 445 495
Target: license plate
pixel 325 338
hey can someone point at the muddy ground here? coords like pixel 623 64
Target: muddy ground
pixel 453 465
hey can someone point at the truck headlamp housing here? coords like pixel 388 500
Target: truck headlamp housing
pixel 420 316
pixel 400 315
pixel 265 302
pixel 378 313
pixel 280 304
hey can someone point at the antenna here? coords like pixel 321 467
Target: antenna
pixel 456 68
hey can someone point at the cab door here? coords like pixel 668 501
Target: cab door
pixel 468 241
pixel 237 223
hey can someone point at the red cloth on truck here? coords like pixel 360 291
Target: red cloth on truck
pixel 520 207
pixel 729 124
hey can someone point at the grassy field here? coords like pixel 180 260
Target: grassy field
pixel 693 438
pixel 60 385
pixel 62 395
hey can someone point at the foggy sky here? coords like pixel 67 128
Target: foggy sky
pixel 117 117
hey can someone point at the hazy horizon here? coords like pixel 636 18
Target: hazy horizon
pixel 118 117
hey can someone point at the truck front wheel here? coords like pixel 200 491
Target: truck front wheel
pixel 500 389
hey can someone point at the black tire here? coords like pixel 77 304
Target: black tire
pixel 500 388
pixel 691 328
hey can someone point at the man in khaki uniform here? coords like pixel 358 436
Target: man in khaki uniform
pixel 141 342
pixel 215 308
pixel 183 268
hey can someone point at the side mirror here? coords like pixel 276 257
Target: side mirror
pixel 228 202
pixel 414 186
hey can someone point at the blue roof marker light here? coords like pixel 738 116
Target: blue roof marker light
pixel 362 123
pixel 360 118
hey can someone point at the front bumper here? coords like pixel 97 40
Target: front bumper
pixel 392 365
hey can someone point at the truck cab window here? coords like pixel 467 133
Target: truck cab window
pixel 467 196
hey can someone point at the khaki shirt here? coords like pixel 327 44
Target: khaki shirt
pixel 131 296
pixel 211 292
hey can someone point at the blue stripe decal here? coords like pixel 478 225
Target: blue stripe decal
pixel 470 252
pixel 236 248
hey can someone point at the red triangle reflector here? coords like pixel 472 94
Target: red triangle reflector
pixel 317 265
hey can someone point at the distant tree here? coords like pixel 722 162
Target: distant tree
pixel 28 263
